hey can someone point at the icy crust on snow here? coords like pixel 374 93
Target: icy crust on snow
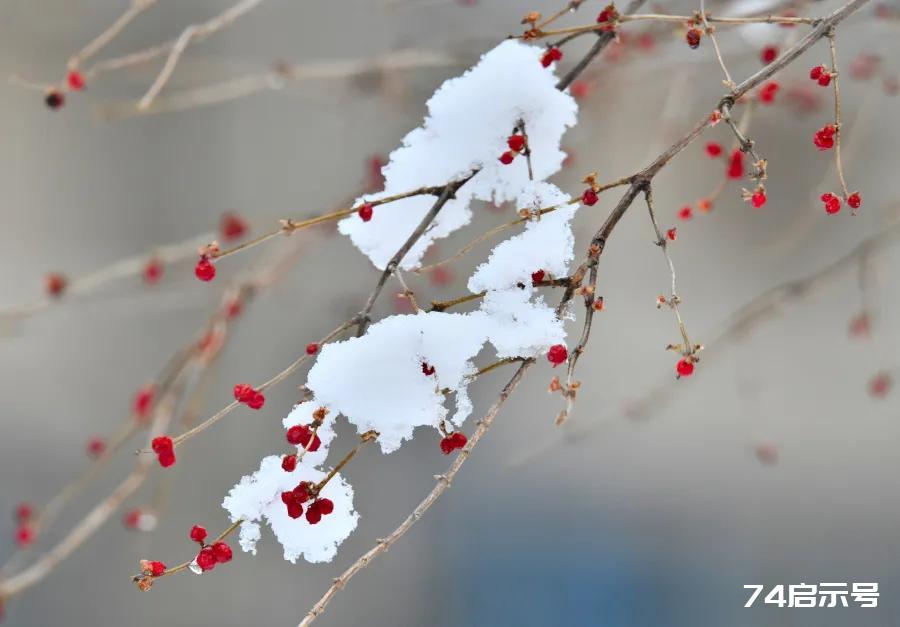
pixel 469 119
pixel 258 497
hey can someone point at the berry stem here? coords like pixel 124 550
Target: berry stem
pixel 365 438
pixel 838 131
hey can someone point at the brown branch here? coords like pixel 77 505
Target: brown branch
pixel 449 191
pixel 839 166
pixel 443 482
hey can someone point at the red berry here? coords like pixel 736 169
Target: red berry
pixel 608 14
pixel 767 92
pixel 294 510
pixel 198 533
pixel 557 354
pixel 736 165
pixel 580 90
pixel 537 276
pixel 326 506
pixel 257 401
pixel 24 535
pixel 589 197
pixel 880 385
pixel 426 369
pixel 161 444
pixel 551 55
pixel 24 511
pixel 507 157
pixel 243 392
pixel 153 271
pixel 289 463
pixel 684 367
pixel 313 514
pixel 232 226
pixel 672 234
pixel 854 200
pixel 55 284
pixel 54 99
pixel 516 142
pixel 312 349
pixel 299 435
pixel 832 202
pixel 166 458
pixel 96 447
pixel 365 212
pixel 205 270
pixel 222 552
pixel 75 80
pixel 768 54
pixel 156 568
pixel 824 137
pixel 685 213
pixel 825 79
pixel 817 71
pixel 758 199
pixel 132 519
pixel 693 37
pixel 300 494
pixel 143 402
pixel 206 558
pixel 287 498
pixel 714 149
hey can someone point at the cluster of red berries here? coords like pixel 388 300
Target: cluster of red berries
pixel 767 92
pixel 557 354
pixel 205 270
pixel 693 37
pixel 246 394
pixel 365 212
pixel 821 75
pixel 295 499
pixel 164 449
pixel 684 367
pixel 210 554
pixel 300 435
pixel 25 533
pixel 832 202
pixel 552 54
pixel 824 137
pixel 608 17
pixel 453 441
pixel 517 144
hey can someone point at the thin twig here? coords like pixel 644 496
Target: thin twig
pixel 839 166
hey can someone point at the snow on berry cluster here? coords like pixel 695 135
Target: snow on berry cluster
pixel 410 371
pixel 469 121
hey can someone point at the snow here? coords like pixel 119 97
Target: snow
pixel 258 496
pixel 377 381
pixel 469 119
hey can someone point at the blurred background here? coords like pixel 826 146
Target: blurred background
pixel 654 505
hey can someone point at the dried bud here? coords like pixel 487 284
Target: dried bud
pixel 531 18
pixel 555 385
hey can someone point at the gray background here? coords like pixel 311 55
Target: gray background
pixel 606 521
